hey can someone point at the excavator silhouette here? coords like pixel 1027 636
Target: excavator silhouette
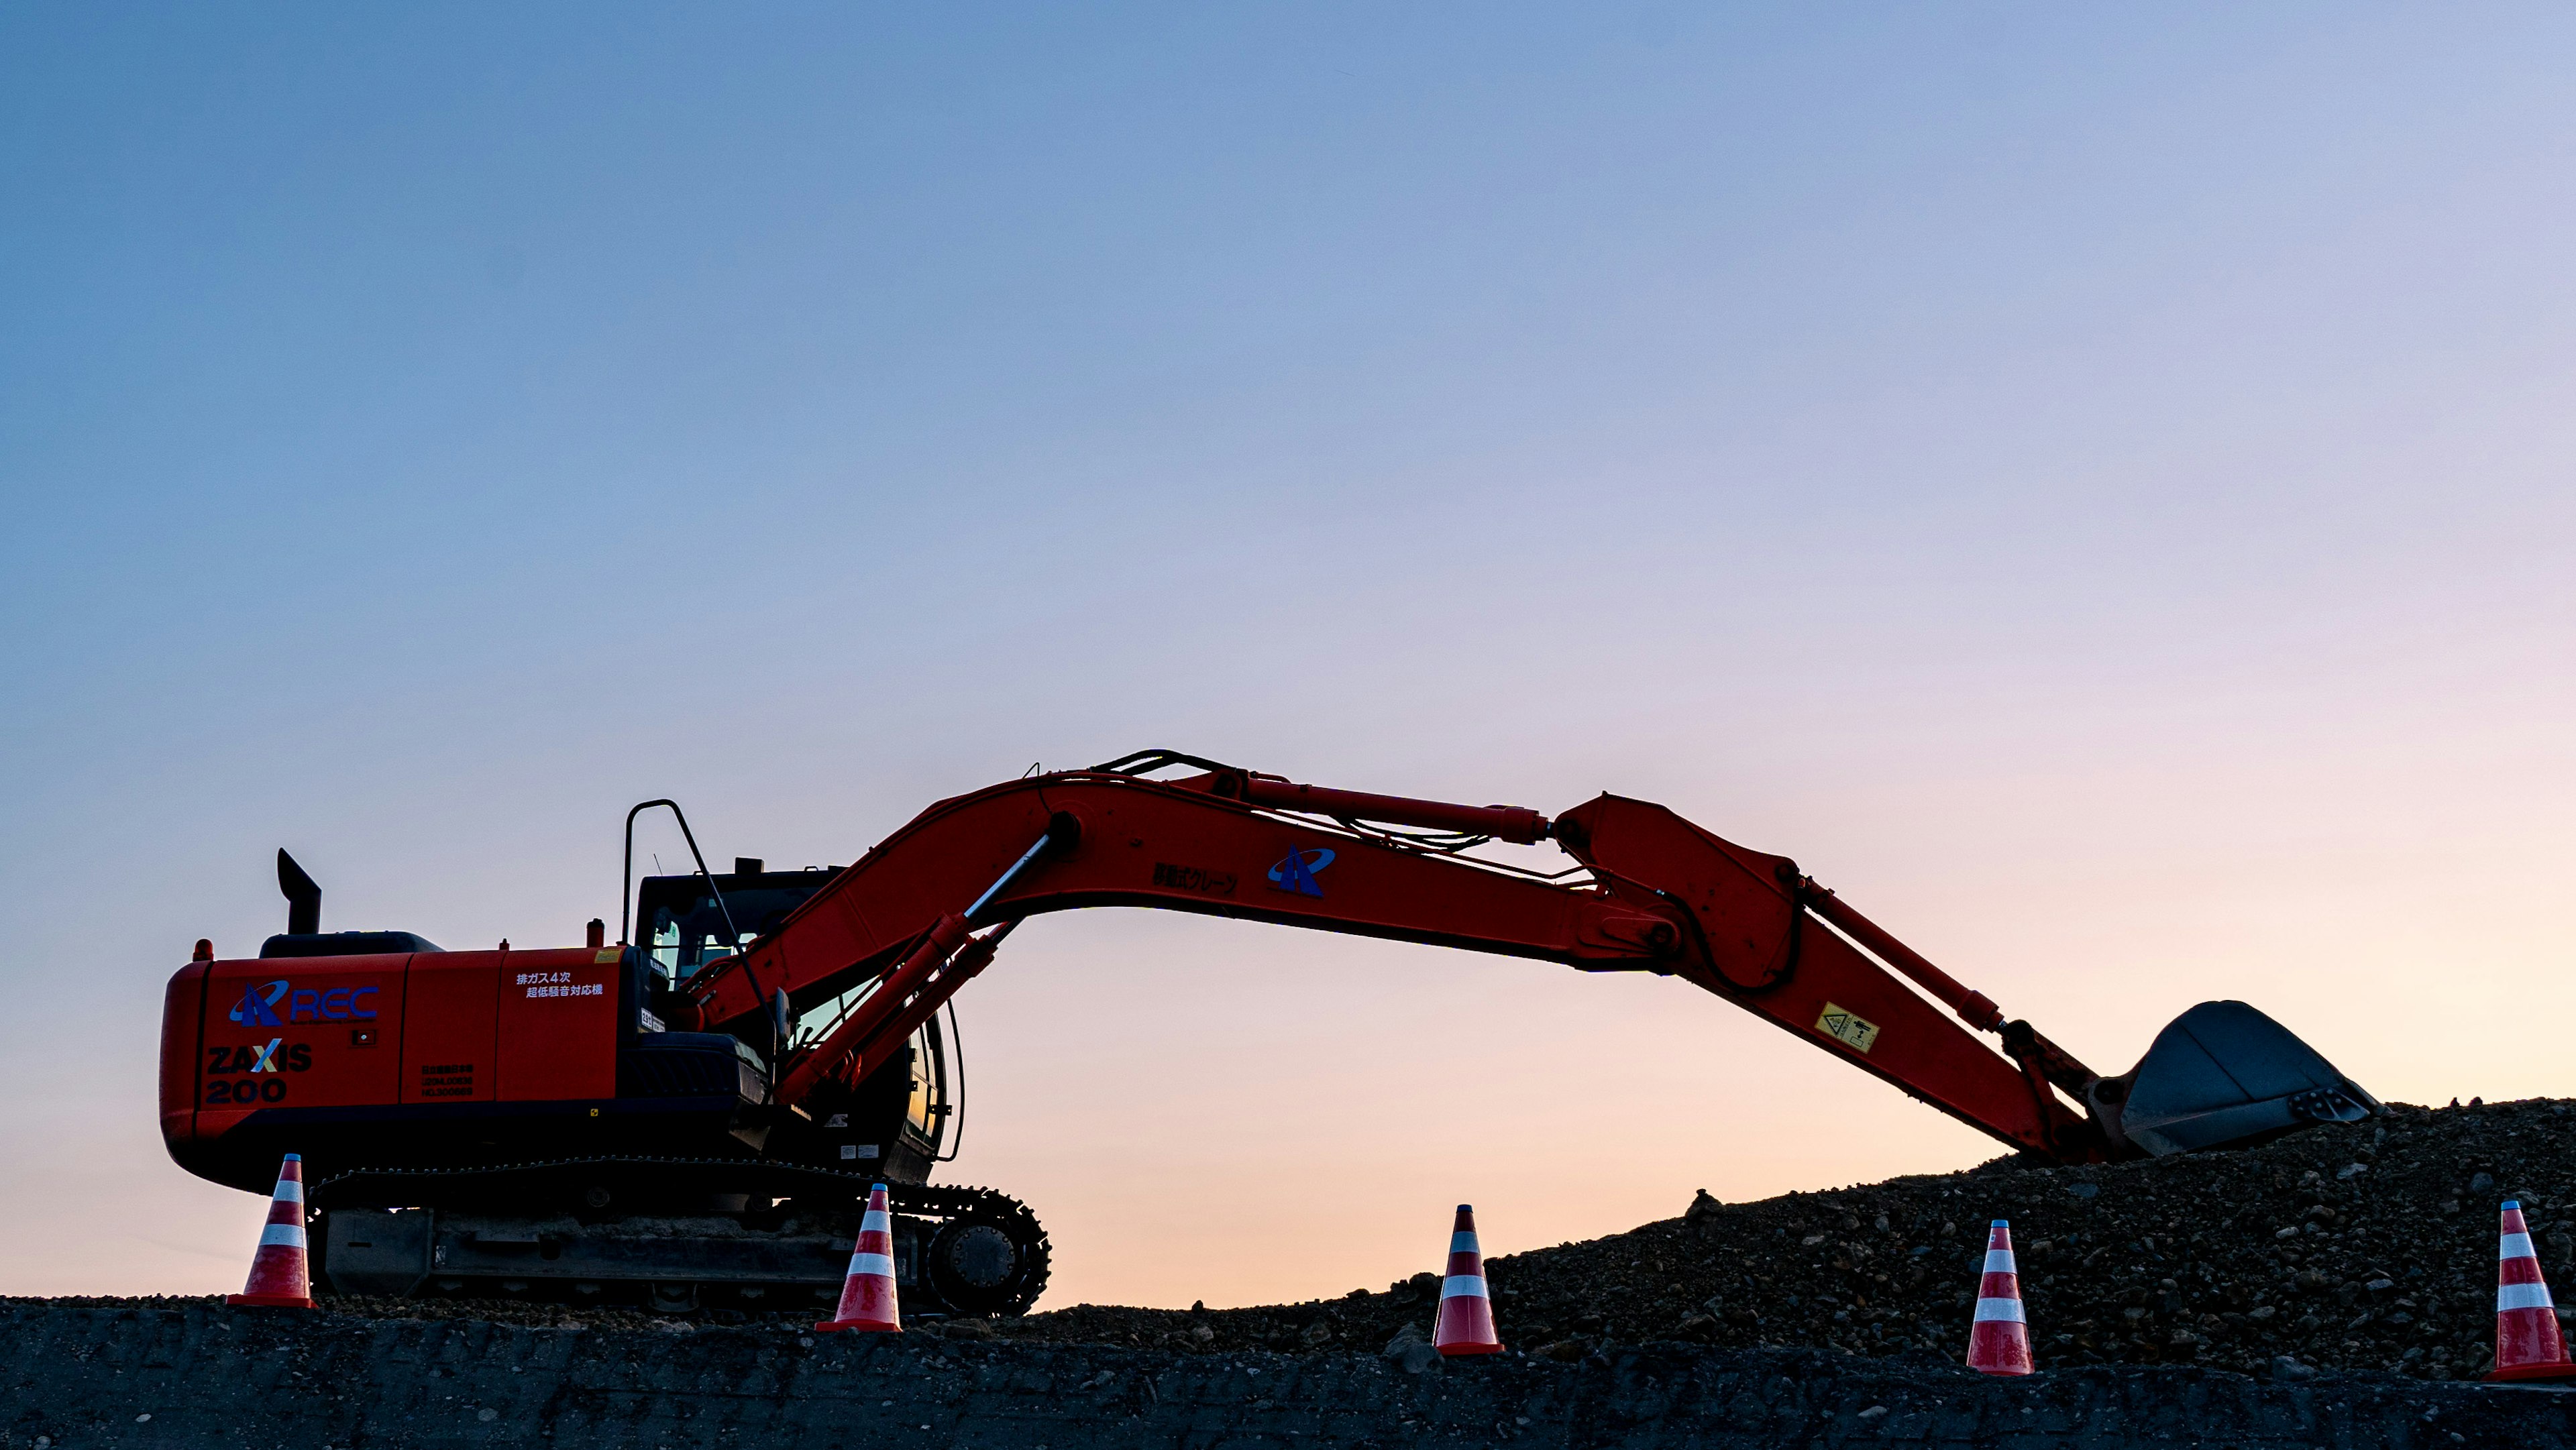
pixel 692 1118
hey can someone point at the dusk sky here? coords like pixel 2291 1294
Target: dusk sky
pixel 2092 484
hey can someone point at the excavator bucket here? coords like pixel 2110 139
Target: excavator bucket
pixel 2223 1075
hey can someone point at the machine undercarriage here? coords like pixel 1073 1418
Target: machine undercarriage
pixel 667 1234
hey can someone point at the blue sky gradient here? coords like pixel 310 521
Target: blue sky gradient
pixel 2091 484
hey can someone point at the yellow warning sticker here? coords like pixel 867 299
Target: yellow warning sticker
pixel 607 955
pixel 1843 1027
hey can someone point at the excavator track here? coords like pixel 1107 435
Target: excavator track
pixel 675 1232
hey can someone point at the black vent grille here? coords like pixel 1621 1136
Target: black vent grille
pixel 701 1065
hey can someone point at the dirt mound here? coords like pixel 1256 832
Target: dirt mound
pixel 2362 1246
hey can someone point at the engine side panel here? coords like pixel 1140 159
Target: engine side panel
pixel 557 1028
pixel 450 1027
pixel 445 1060
pixel 305 1033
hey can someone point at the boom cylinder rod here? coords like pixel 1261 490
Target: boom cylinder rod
pixel 1974 1007
pixel 1518 824
pixel 1007 877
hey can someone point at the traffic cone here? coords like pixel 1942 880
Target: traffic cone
pixel 867 1295
pixel 1466 1322
pixel 277 1276
pixel 1999 1340
pixel 2528 1345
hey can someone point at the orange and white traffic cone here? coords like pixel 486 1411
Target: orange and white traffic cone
pixel 1466 1322
pixel 277 1274
pixel 1999 1339
pixel 2528 1344
pixel 867 1295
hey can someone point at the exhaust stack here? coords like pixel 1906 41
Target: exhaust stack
pixel 303 897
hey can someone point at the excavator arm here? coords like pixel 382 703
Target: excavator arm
pixel 1649 892
pixel 894 936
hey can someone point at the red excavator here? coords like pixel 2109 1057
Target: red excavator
pixel 691 1118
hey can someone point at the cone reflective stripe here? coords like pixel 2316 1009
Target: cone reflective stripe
pixel 867 1295
pixel 1466 1322
pixel 277 1273
pixel 2528 1344
pixel 1999 1339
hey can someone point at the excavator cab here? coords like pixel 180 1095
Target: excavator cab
pixel 894 1123
pixel 685 922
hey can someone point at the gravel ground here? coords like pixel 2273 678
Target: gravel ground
pixel 2362 1246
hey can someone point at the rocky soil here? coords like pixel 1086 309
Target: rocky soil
pixel 2361 1247
pixel 2367 1246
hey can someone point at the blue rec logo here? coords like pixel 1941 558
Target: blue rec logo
pixel 1296 871
pixel 258 1006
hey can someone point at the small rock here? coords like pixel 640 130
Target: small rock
pixel 2286 1368
pixel 1420 1358
pixel 1873 1413
pixel 1406 1337
pixel 2084 1190
pixel 487 1415
pixel 2351 1170
pixel 2482 1183
pixel 1702 1210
